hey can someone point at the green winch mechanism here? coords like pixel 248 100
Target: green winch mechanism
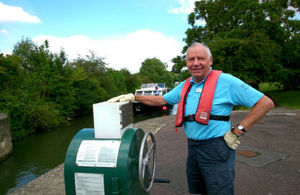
pixel 112 158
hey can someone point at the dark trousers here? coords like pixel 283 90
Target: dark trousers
pixel 210 167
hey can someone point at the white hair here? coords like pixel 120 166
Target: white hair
pixel 195 44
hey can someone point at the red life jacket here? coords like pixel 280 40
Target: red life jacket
pixel 205 103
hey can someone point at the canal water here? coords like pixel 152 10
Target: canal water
pixel 39 153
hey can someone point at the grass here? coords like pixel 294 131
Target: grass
pixel 288 99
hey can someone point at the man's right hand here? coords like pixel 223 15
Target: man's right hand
pixel 231 139
pixel 122 98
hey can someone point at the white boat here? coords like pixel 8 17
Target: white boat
pixel 150 89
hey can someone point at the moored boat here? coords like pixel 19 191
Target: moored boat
pixel 151 89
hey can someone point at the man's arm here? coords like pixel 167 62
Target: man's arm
pixel 258 111
pixel 151 100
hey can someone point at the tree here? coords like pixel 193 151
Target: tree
pixel 91 64
pixel 249 59
pixel 134 81
pixel 179 63
pixel 39 94
pixel 247 38
pixel 88 73
pixel 10 72
pixel 153 70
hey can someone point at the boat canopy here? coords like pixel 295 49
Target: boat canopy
pixel 153 85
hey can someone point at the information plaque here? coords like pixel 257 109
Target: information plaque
pixel 89 184
pixel 98 153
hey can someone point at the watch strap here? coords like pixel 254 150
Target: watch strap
pixel 241 129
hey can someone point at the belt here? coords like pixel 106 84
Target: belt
pixel 191 118
pixel 205 141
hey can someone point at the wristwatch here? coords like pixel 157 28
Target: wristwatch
pixel 241 128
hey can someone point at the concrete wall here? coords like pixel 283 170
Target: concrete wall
pixel 6 145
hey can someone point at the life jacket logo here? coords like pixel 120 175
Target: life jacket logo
pixel 203 115
pixel 198 90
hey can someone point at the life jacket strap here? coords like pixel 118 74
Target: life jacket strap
pixel 191 118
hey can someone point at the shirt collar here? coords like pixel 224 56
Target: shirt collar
pixel 193 82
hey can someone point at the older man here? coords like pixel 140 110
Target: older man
pixel 205 102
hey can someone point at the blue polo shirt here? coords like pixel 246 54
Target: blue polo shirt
pixel 230 91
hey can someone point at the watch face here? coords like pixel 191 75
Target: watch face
pixel 240 127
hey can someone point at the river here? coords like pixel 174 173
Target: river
pixel 41 152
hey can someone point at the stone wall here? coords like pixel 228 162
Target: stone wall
pixel 6 145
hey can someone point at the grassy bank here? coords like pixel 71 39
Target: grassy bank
pixel 288 99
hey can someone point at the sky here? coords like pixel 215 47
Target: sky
pixel 123 32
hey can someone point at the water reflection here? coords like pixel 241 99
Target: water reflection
pixel 37 154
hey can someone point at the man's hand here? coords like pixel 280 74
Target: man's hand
pixel 122 98
pixel 231 139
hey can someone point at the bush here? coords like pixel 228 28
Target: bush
pixel 289 78
pixel 28 118
pixel 18 121
pixel 44 116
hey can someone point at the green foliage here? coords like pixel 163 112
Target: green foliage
pixel 43 116
pixel 18 119
pixel 117 81
pixel 38 94
pixel 154 71
pixel 183 75
pixel 288 99
pixel 250 59
pixel 281 97
pixel 88 93
pixel 180 69
pixel 289 78
pixel 270 87
pixel 91 64
pixel 41 90
pixel 10 71
pixel 179 63
pixel 85 81
pixel 134 82
pixel 28 113
pixel 152 68
pixel 250 39
pixel 291 52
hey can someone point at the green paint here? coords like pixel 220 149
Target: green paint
pixel 122 179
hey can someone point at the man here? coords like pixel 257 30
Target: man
pixel 156 92
pixel 205 103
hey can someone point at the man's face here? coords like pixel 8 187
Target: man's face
pixel 198 63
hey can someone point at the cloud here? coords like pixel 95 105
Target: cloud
pixel 16 14
pixel 127 51
pixel 185 7
pixel 3 31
